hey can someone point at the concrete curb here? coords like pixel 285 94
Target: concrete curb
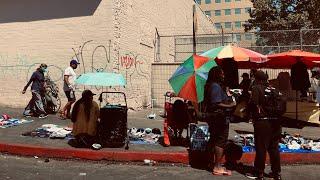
pixel 87 154
pixel 128 155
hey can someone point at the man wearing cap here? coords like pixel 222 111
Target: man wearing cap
pixel 68 87
pixel 35 106
pixel 267 131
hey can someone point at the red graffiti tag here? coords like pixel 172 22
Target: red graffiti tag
pixel 128 61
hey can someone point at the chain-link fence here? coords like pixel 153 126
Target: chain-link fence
pixel 176 48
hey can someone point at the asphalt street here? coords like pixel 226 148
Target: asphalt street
pixel 34 168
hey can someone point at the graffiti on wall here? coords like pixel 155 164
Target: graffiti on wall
pixel 95 57
pixel 88 58
pixel 21 67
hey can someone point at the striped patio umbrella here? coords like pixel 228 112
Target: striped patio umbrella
pixel 237 53
pixel 189 79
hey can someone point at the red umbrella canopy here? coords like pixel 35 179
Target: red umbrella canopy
pixel 287 59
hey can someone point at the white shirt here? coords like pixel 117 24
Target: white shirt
pixel 72 76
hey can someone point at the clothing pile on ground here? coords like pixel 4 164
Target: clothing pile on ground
pixel 288 143
pixel 144 136
pixel 50 131
pixel 6 121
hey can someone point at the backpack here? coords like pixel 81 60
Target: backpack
pixel 275 104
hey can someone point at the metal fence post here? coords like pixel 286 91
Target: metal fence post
pixel 301 40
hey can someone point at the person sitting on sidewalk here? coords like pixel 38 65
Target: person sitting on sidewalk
pixel 84 116
pixel 35 106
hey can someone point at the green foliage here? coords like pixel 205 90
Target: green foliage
pixel 274 15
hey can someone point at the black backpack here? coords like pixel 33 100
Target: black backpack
pixel 275 104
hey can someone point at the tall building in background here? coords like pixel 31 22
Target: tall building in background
pixel 228 15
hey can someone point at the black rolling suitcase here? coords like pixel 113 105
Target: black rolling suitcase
pixel 112 129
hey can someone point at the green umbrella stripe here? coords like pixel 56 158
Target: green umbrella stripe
pixel 213 53
pixel 207 66
pixel 178 82
pixel 200 83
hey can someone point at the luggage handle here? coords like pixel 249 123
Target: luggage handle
pixel 113 92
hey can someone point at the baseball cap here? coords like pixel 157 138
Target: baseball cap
pixel 87 93
pixel 74 62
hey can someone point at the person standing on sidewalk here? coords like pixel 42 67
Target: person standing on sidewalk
pixel 35 106
pixel 267 131
pixel 217 103
pixel 68 87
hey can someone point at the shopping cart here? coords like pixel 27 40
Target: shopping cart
pixel 112 129
pixel 178 115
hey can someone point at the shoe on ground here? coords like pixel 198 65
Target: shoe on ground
pixel 27 115
pixel 254 176
pixel 275 176
pixel 42 116
pixel 96 146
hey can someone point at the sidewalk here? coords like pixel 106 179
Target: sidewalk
pixel 11 141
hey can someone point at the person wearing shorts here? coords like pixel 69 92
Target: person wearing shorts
pixel 68 88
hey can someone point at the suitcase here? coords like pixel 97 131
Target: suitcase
pixel 112 129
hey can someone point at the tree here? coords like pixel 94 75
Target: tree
pixel 312 8
pixel 276 15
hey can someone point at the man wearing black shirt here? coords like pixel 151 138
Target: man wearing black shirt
pixel 35 105
pixel 267 131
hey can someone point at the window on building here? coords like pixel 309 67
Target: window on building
pixel 217 12
pixel 227 25
pixel 237 11
pixel 247 9
pixel 198 1
pixel 227 12
pixel 248 36
pixel 208 13
pixel 208 1
pixel 237 24
pixel 217 25
pixel 238 37
pixel 227 0
pixel 217 1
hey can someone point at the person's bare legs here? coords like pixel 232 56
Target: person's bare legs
pixel 66 109
pixel 218 158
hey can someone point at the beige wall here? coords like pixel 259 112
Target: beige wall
pixel 116 35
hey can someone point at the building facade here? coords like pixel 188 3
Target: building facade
pixel 110 35
pixel 228 15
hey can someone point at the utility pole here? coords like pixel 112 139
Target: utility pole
pixel 194 30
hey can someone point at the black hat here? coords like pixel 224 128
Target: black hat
pixel 43 65
pixel 260 75
pixel 245 75
pixel 73 61
pixel 87 93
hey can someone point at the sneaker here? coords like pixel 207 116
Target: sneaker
pixel 254 176
pixel 275 176
pixel 96 146
pixel 27 115
pixel 42 116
